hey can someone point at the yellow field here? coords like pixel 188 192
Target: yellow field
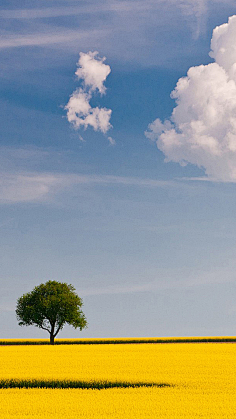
pixel 202 378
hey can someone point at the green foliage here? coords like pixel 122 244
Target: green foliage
pixel 113 341
pixel 50 306
pixel 18 383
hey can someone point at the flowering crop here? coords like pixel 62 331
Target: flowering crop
pixel 200 381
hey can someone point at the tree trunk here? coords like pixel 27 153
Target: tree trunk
pixel 51 338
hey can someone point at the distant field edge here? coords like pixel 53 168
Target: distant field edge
pixel 97 341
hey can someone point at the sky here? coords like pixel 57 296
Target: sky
pixel 118 163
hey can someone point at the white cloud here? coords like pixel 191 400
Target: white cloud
pixel 27 187
pixel 202 127
pixel 34 187
pixel 196 11
pixel 93 73
pixel 111 141
pixel 81 114
pixel 171 281
pixel 223 48
pixel 115 6
pixel 59 37
pixel 82 139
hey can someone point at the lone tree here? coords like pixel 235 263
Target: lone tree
pixel 50 306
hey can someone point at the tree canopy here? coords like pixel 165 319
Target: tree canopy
pixel 50 306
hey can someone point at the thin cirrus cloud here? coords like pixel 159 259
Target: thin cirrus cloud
pixel 53 37
pixel 33 187
pixel 193 6
pixel 202 127
pixel 92 72
pixel 209 277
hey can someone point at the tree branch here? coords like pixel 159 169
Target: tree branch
pixel 58 330
pixel 44 328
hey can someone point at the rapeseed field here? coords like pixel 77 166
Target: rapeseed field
pixel 181 380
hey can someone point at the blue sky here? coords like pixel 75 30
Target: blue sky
pixel 140 216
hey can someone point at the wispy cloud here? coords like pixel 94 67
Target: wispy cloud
pixel 166 281
pixel 189 7
pixel 111 141
pixel 125 181
pixel 115 9
pixel 50 38
pixel 93 8
pixel 196 12
pixel 197 7
pixel 82 139
pixel 139 25
pixel 18 188
pixel 32 187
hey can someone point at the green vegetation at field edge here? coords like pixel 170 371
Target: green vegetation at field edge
pixel 99 385
pixel 4 342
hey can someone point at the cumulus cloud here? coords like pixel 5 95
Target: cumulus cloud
pixel 202 127
pixel 92 72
